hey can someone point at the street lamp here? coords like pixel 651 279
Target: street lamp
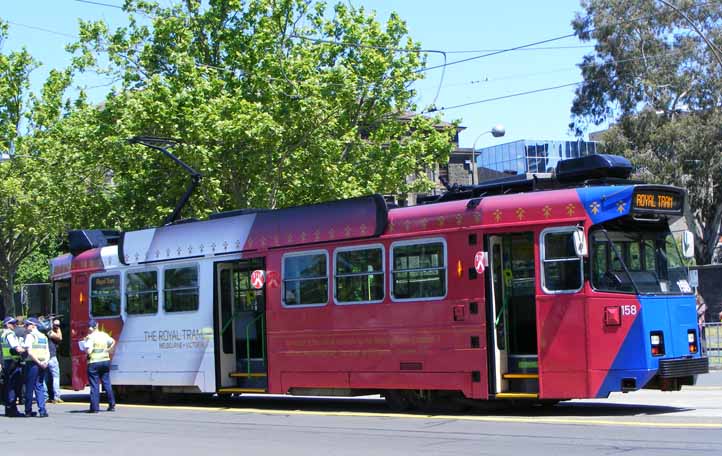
pixel 498 131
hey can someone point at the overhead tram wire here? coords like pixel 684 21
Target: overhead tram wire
pixel 512 95
pixel 524 46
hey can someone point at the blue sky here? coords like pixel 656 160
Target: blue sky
pixel 453 25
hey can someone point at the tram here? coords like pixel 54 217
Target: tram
pixel 536 288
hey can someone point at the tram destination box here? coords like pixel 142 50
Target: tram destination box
pixel 665 200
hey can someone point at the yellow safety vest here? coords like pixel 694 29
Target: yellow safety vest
pixel 100 347
pixel 40 349
pixel 7 354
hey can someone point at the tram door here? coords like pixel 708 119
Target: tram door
pixel 513 315
pixel 241 325
pixel 61 308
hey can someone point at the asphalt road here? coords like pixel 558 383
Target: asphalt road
pixel 639 423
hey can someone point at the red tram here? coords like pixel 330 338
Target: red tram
pixel 536 289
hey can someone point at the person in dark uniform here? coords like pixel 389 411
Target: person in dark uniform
pixel 98 346
pixel 12 372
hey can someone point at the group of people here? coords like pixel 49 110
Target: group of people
pixel 29 356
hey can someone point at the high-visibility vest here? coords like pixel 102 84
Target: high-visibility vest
pixel 39 348
pixel 99 342
pixel 7 354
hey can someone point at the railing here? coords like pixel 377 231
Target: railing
pixel 262 335
pixel 712 343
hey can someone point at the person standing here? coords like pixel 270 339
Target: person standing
pixel 98 346
pixel 36 365
pixel 52 393
pixel 12 373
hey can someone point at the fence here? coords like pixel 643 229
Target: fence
pixel 712 344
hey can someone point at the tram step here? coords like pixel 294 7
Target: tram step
pixel 517 395
pixel 247 375
pixel 521 376
pixel 241 390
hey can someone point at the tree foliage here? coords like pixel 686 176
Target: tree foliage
pixel 657 73
pixel 276 103
pixel 33 187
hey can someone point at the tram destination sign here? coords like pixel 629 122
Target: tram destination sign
pixel 663 200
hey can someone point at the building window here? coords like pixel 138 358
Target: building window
pixel 359 274
pixel 141 293
pixel 180 290
pixel 562 268
pixel 105 296
pixel 418 270
pixel 305 279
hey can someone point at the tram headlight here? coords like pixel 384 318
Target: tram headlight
pixel 692 340
pixel 656 340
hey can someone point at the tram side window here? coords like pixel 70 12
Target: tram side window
pixel 419 270
pixel 359 275
pixel 180 289
pixel 562 267
pixel 141 293
pixel 305 279
pixel 105 296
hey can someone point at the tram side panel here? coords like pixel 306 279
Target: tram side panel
pixel 434 344
pixel 170 349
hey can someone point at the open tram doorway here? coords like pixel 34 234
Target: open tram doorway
pixel 240 328
pixel 61 309
pixel 512 316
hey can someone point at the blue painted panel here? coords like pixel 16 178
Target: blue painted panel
pixel 606 203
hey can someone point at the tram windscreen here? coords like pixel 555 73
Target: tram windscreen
pixel 637 261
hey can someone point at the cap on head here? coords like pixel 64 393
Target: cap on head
pixel 9 321
pixel 32 321
pixel 92 324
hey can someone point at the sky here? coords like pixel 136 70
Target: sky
pixel 44 27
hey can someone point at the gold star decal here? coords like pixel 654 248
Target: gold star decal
pixel 477 217
pixel 423 223
pixel 392 227
pixel 263 241
pixel 407 225
pixel 440 220
pixel 362 229
pixel 547 211
pixel 570 209
pixel 347 231
pixel 290 238
pixel 317 234
pixel 459 219
pixel 497 215
pixel 594 207
pixel 520 212
pixel 621 206
pixel 331 233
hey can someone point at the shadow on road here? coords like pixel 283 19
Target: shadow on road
pixel 375 404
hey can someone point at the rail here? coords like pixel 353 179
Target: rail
pixel 712 343
pixel 248 340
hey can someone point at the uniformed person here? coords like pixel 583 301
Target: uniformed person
pixel 98 346
pixel 36 365
pixel 12 371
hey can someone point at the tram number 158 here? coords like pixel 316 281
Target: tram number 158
pixel 629 310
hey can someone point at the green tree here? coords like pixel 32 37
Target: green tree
pixel 657 73
pixel 32 187
pixel 265 101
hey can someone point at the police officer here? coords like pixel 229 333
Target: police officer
pixel 12 372
pixel 98 346
pixel 36 365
